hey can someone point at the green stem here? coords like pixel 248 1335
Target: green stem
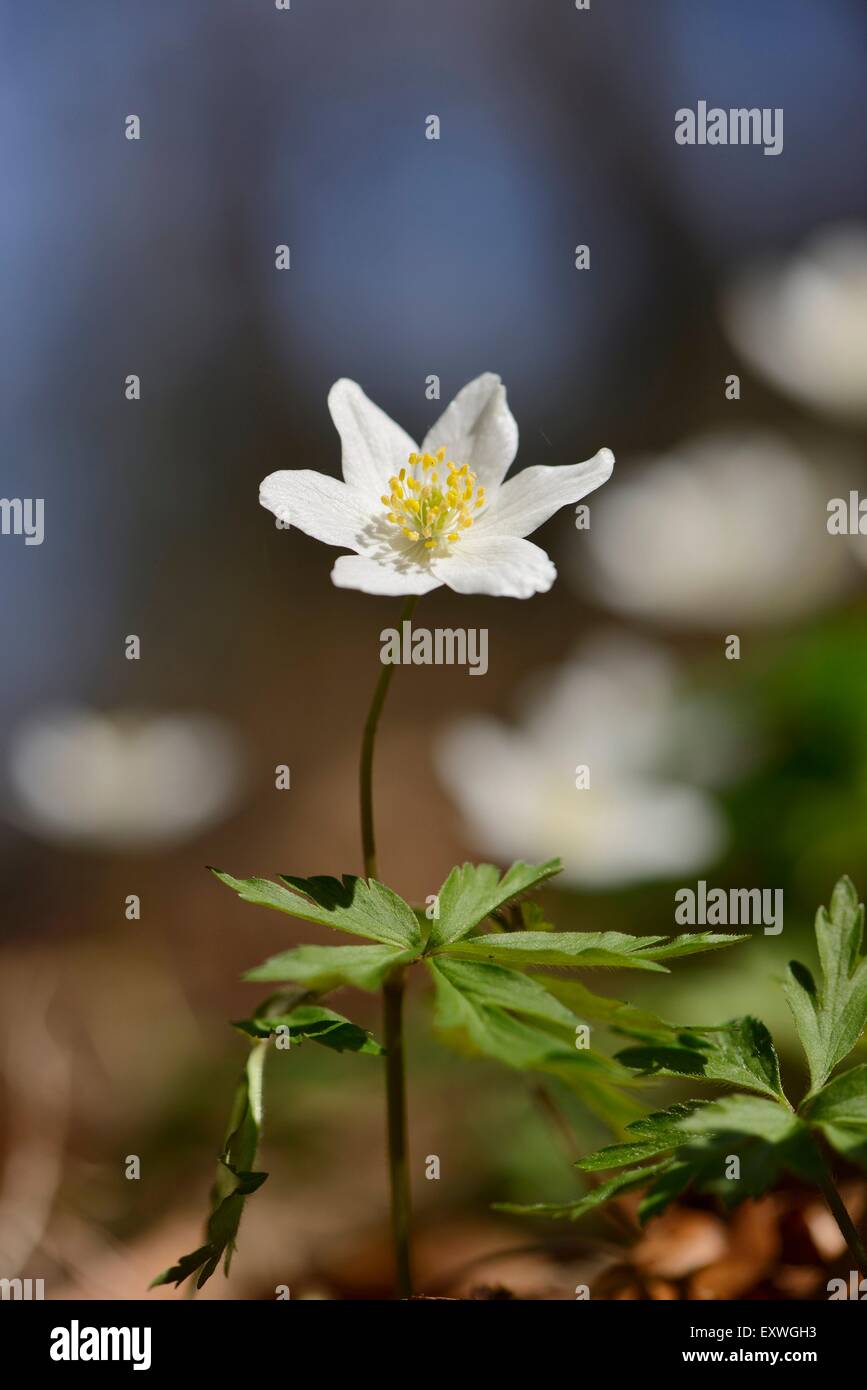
pixel 398 1160
pixel 395 1078
pixel 368 840
pixel 848 1229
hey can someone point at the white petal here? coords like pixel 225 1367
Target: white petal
pixel 372 577
pixel 501 565
pixel 534 495
pixel 478 429
pixel 321 507
pixel 374 446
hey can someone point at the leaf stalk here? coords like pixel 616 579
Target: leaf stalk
pixel 848 1229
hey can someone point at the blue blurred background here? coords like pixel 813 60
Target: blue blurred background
pixel 409 257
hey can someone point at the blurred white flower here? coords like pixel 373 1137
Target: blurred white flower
pixel 725 530
pixel 122 780
pixel 418 519
pixel 802 322
pixel 617 710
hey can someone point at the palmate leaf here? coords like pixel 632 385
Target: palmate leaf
pixel 614 1014
pixel 486 1003
pixel 483 1003
pixel 493 986
pixel 312 1022
pixel 649 1136
pixel 596 1197
pixel 839 1110
pixel 359 906
pixel 585 950
pixel 831 1017
pixel 473 891
pixel 741 1053
pixel 235 1179
pixel 499 1013
pixel 322 968
pixel 692 1145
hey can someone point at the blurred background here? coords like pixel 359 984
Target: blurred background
pixel 409 257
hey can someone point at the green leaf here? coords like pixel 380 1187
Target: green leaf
pixel 738 1114
pixel 693 1145
pixel 740 1052
pixel 355 905
pixel 704 1163
pixel 313 1022
pixel 611 1013
pixel 494 985
pixel 839 1110
pixel 322 968
pixel 584 950
pixel 534 917
pixel 472 1022
pixel 235 1180
pixel 831 1018
pixel 473 891
pixel 571 1211
pixel 671 1180
pixel 690 943
pixel 653 1134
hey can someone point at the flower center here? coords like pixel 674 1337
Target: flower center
pixel 433 501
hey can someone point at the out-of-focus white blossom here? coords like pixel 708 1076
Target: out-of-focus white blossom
pixel 122 780
pixel 618 710
pixel 727 529
pixel 802 322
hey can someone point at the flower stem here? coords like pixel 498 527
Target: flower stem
pixel 395 1078
pixel 398 1163
pixel 848 1229
pixel 368 840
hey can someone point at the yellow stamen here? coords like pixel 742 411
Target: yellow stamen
pixel 426 510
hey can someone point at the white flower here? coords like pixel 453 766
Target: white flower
pixel 724 530
pixel 615 709
pixel 803 322
pixel 122 781
pixel 418 517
